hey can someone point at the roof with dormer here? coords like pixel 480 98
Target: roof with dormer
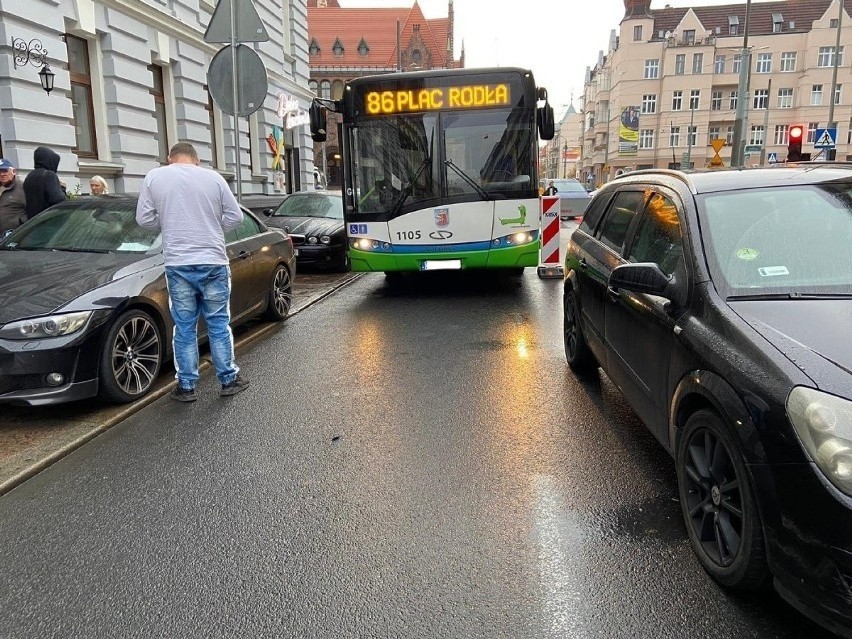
pixel 802 13
pixel 377 27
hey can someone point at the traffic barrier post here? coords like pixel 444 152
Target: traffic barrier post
pixel 550 265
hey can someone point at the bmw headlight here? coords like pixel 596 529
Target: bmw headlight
pixel 43 327
pixel 824 425
pixel 325 239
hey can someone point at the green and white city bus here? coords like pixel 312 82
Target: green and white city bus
pixel 440 168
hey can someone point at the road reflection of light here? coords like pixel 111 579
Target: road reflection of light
pixel 523 348
pixel 560 536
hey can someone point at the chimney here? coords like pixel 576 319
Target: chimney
pixel 637 9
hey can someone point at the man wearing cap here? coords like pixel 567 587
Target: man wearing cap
pixel 13 203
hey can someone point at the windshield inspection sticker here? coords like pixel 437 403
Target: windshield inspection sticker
pixel 747 254
pixel 769 271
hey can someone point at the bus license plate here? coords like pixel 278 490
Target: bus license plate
pixel 441 265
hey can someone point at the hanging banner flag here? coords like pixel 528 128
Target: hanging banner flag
pixel 628 131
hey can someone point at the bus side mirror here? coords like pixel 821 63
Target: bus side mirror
pixel 318 122
pixel 545 121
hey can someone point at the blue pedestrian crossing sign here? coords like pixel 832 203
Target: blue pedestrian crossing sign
pixel 773 158
pixel 825 138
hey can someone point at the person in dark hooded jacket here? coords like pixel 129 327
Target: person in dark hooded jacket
pixel 41 185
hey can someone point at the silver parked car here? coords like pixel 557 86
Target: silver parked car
pixel 573 198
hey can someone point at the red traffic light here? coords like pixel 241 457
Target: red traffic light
pixel 796 132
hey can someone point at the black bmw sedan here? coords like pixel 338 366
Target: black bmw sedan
pixel 720 303
pixel 83 301
pixel 314 221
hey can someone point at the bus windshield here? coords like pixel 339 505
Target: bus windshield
pixel 403 160
pixel 394 161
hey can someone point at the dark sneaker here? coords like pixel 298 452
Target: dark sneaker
pixel 183 394
pixel 237 386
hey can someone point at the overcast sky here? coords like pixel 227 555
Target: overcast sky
pixel 557 39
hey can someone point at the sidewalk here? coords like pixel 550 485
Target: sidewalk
pixel 33 438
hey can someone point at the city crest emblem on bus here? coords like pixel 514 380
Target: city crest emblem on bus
pixel 442 217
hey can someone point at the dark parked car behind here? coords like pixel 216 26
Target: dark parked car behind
pixel 314 221
pixel 83 301
pixel 720 304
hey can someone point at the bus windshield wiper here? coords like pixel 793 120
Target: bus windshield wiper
pixel 467 179
pixel 409 188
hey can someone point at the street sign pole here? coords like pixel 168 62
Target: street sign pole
pixel 238 168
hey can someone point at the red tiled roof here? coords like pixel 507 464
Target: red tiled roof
pixel 801 12
pixel 377 26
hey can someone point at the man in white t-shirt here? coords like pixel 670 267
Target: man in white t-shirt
pixel 193 207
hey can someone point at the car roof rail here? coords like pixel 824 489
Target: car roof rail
pixel 680 175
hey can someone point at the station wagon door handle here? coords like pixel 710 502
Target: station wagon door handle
pixel 583 263
pixel 613 293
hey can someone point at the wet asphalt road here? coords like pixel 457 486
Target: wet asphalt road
pixel 408 462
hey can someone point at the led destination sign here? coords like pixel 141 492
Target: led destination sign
pixel 460 97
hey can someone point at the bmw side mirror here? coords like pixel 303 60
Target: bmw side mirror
pixel 645 277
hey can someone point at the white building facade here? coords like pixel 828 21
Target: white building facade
pixel 679 69
pixel 131 80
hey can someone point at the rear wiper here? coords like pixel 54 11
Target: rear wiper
pixel 467 179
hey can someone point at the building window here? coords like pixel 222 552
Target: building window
pixel 764 63
pixel 781 133
pixel 677 100
pixel 837 93
pixel 716 101
pixel 680 64
pixel 158 91
pixel 363 49
pixel 649 103
pixel 826 57
pixel 674 136
pixel 719 64
pixel 732 101
pixel 761 99
pixel 652 69
pixel 697 62
pixel 735 68
pixel 325 89
pixel 756 134
pixel 785 98
pixel 777 21
pixel 337 47
pixel 788 61
pixel 729 135
pixel 211 125
pixel 82 105
pixel 646 139
pixel 314 49
pixel 637 33
pixel 314 87
pixel 416 56
pixel 692 135
pixel 812 127
pixel 694 98
pixel 712 133
pixel 832 23
pixel 816 95
pixel 733 25
pixel 689 36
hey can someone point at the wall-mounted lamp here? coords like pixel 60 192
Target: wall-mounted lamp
pixel 34 53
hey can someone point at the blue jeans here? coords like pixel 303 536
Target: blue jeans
pixel 203 289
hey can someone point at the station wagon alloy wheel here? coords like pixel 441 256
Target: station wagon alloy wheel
pixel 132 356
pixel 577 353
pixel 718 504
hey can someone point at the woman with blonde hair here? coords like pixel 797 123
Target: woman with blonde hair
pixel 98 185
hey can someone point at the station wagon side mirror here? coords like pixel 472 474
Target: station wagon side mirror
pixel 644 277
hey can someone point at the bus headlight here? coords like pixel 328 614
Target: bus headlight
pixel 522 238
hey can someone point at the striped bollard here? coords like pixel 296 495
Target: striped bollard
pixel 550 266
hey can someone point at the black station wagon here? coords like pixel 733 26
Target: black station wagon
pixel 720 303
